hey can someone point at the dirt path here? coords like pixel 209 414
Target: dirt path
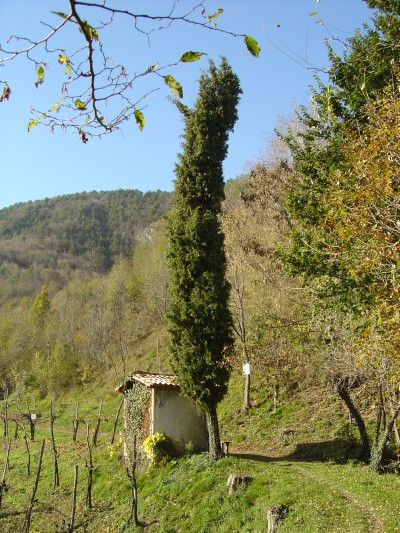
pixel 375 524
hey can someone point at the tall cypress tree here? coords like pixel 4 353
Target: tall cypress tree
pixel 200 324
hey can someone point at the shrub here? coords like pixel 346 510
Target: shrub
pixel 159 447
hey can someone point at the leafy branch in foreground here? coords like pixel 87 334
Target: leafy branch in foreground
pixel 97 94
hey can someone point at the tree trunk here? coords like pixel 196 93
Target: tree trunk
pixel 379 448
pixel 214 441
pixel 274 516
pixel 344 395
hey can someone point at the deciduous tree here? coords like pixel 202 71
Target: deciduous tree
pixel 344 201
pixel 98 93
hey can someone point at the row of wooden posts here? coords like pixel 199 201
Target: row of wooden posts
pixel 32 419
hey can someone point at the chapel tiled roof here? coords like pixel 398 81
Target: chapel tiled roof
pixel 151 380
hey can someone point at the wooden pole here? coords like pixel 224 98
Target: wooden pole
pixel 91 469
pixel 6 413
pixel 27 524
pixel 96 431
pixel 73 511
pixel 53 444
pixel 75 424
pixel 3 484
pixel 116 419
pixel 132 477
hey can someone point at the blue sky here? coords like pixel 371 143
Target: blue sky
pixel 40 164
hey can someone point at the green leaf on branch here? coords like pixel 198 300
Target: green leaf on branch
pixel 60 14
pixel 80 105
pixel 175 86
pixel 140 120
pixel 64 60
pixel 56 106
pixel 188 57
pixel 40 73
pixel 252 45
pixel 89 31
pixel 215 15
pixel 32 123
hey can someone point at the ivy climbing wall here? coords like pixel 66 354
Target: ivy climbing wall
pixel 137 416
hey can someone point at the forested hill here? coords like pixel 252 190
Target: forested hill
pixel 55 237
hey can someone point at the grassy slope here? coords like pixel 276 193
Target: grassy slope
pixel 190 494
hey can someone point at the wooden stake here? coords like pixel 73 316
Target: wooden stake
pixel 28 465
pixel 116 419
pixel 53 444
pixel 27 524
pixel 91 469
pixel 6 413
pixel 3 484
pixel 75 424
pixel 31 423
pixel 96 431
pixel 132 477
pixel 73 511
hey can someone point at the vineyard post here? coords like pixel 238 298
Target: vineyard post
pixel 72 520
pixel 91 469
pixel 6 413
pixel 132 477
pixel 116 419
pixel 3 484
pixel 75 423
pixel 96 431
pixel 53 443
pixel 27 524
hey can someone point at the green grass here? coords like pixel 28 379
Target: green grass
pixel 190 494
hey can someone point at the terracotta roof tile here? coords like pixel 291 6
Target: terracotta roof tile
pixel 150 380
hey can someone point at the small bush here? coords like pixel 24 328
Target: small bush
pixel 159 447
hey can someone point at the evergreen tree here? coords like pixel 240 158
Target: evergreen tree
pixel 200 324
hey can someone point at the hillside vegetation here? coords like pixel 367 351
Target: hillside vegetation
pixel 312 254
pixel 273 447
pixel 52 241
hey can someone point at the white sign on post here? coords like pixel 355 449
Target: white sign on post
pixel 246 369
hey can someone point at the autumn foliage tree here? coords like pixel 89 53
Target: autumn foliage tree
pixel 344 201
pixel 199 320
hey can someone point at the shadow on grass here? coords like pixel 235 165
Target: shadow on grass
pixel 141 525
pixel 337 450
